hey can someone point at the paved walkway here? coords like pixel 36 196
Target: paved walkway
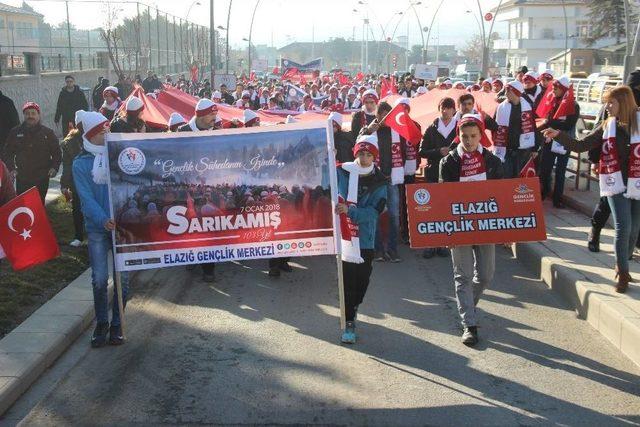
pixel 253 350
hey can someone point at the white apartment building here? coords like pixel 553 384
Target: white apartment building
pixel 536 30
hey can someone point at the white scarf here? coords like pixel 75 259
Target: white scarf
pixel 633 179
pixel 351 242
pixel 445 130
pixel 527 138
pixel 111 107
pixel 397 163
pixel 99 172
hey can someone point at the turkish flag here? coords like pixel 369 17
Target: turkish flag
pixel 529 170
pixel 25 232
pixel 398 119
pixel 359 76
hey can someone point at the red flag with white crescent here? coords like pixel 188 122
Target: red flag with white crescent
pixel 398 119
pixel 529 170
pixel 26 235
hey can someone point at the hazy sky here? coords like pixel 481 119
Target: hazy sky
pixel 284 21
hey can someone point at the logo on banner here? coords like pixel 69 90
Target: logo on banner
pixel 131 161
pixel 523 194
pixel 422 197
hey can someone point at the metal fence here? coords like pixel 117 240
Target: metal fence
pixel 147 38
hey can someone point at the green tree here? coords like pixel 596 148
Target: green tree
pixel 607 20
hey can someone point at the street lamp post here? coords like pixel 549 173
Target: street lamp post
pixel 226 55
pixel 212 44
pixel 227 44
pixel 413 6
pixel 253 15
pixel 186 18
pixel 433 18
pixel 484 45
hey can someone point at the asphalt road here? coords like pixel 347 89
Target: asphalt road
pixel 254 350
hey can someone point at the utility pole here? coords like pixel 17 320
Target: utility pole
pixel 69 37
pixel 138 52
pixel 227 43
pixel 149 28
pixel 212 44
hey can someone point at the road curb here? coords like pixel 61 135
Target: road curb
pixel 33 346
pixel 615 316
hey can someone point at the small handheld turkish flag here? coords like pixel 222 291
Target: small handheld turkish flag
pixel 529 170
pixel 25 232
pixel 398 119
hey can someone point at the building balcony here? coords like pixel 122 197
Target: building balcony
pixel 555 44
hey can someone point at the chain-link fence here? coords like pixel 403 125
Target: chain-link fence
pixel 133 37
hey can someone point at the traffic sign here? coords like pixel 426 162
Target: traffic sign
pixel 488 16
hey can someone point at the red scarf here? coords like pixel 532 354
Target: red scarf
pixel 472 166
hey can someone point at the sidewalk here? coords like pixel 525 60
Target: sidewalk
pixel 586 279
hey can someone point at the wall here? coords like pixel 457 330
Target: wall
pixel 44 89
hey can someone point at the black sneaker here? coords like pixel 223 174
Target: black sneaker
pixel 99 337
pixel 442 252
pixel 428 253
pixel 380 257
pixel 470 336
pixel 274 272
pixel 393 257
pixel 115 335
pixel 284 266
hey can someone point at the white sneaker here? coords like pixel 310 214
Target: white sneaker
pixel 75 243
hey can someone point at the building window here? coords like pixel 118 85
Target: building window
pixel 583 29
pixel 547 33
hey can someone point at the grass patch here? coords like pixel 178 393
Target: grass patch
pixel 22 293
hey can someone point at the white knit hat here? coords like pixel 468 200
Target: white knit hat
pixel 515 84
pixel 564 81
pixel 336 117
pixel 404 101
pixel 530 75
pixel 92 122
pixel 366 142
pixel 205 107
pixel 370 93
pixel 216 94
pixel 176 119
pixel 111 89
pixel 248 115
pixel 134 104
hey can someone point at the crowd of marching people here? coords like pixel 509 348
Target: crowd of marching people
pixel 533 127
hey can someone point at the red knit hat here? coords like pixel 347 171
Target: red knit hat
pixel 31 104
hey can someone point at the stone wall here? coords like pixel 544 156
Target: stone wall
pixel 45 87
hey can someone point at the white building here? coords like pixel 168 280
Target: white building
pixel 536 30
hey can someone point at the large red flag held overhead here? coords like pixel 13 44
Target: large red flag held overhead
pixel 25 232
pixel 398 119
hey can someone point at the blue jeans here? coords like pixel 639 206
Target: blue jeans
pixel 547 160
pixel 514 161
pixel 99 245
pixel 393 208
pixel 626 217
